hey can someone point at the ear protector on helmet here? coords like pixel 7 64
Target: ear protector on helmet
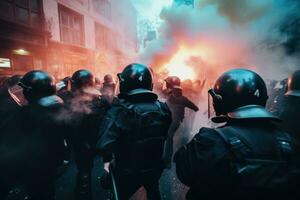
pixel 25 87
pixel 27 90
pixel 119 75
pixel 216 97
pixel 217 103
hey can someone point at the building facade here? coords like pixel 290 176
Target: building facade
pixel 23 36
pixel 67 35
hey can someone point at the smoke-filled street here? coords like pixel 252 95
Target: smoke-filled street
pixel 149 99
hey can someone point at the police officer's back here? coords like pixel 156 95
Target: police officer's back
pixel 108 89
pixel 37 137
pixel 134 133
pixel 247 158
pixel 291 107
pixel 84 110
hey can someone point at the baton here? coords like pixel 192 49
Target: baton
pixel 208 106
pixel 115 191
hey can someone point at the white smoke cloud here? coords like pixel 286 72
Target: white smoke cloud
pixel 227 34
pixel 80 105
pixel 235 34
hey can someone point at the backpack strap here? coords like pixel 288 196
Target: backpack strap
pixel 125 104
pixel 157 103
pixel 239 148
pixel 284 144
pixel 236 146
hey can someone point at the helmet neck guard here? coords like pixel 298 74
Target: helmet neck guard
pixel 256 112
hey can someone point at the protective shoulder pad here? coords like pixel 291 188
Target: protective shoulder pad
pixel 209 134
pixel 164 107
pixel 125 104
pixel 284 142
pixel 115 109
pixel 50 101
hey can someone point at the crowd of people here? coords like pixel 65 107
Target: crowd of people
pixel 253 154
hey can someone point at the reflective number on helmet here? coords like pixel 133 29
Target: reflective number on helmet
pixel 256 93
pixel 141 78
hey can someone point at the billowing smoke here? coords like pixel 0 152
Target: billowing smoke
pixel 78 106
pixel 217 35
pixel 239 12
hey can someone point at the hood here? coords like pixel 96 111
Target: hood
pixel 247 112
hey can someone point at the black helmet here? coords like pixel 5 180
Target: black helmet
pixel 82 79
pixel 36 85
pixel 135 78
pixel 240 90
pixel 173 82
pixel 11 81
pixel 108 79
pixel 294 84
pixel 97 81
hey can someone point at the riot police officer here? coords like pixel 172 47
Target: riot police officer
pixel 85 110
pixel 133 134
pixel 247 158
pixel 8 105
pixel 33 139
pixel 177 103
pixel 291 108
pixel 108 89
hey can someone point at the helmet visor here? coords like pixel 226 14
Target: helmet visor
pixel 210 107
pixel 16 93
pixel 118 83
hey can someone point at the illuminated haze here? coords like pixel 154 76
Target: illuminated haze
pixel 226 34
pixel 218 35
pixel 150 9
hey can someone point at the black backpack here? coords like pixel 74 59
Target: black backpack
pixel 255 175
pixel 144 145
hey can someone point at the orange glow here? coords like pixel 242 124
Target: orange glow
pixel 203 59
pixel 178 65
pixel 182 65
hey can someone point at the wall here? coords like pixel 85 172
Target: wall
pixel 122 37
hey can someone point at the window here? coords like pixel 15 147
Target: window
pixel 103 7
pixel 7 10
pixel 71 26
pixel 27 12
pixel 21 62
pixel 35 13
pixel 102 36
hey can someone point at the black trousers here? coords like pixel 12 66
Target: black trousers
pixel 129 183
pixel 84 159
pixel 42 188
